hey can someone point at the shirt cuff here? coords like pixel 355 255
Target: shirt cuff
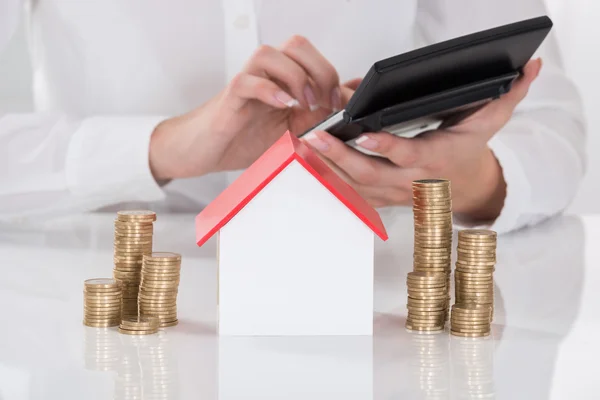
pixel 108 160
pixel 518 192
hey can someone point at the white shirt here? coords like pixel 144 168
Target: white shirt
pixel 107 72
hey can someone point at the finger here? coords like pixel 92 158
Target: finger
pixel 352 83
pixel 267 62
pixel 244 87
pixel 496 114
pixel 521 86
pixel 362 169
pixel 403 152
pixel 319 69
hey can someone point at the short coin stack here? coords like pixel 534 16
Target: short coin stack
pixel 476 257
pixel 159 287
pixel 432 211
pixel 102 302
pixel 139 326
pixel 133 239
pixel 470 320
pixel 427 301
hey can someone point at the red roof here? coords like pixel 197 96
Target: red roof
pixel 287 149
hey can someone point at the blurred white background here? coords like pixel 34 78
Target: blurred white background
pixel 576 26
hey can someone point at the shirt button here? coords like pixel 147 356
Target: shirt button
pixel 242 22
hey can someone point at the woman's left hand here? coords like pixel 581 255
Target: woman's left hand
pixel 459 153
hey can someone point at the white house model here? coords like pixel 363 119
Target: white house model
pixel 295 248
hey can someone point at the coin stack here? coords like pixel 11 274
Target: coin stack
pixel 470 320
pixel 427 301
pixel 133 239
pixel 476 257
pixel 139 325
pixel 159 286
pixel 432 210
pixel 102 302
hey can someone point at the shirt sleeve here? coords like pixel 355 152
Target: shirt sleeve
pixel 53 164
pixel 541 150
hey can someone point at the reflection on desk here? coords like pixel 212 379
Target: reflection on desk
pixel 546 301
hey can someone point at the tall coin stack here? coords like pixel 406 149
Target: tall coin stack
pixel 476 258
pixel 133 239
pixel 102 303
pixel 427 301
pixel 432 211
pixel 159 287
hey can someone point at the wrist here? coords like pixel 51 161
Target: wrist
pixel 485 197
pixel 158 153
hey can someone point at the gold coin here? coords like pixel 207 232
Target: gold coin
pixel 100 324
pixel 423 328
pixel 469 308
pixel 134 229
pixel 142 295
pixel 91 321
pixel 102 295
pixel 470 330
pixel 158 310
pixel 102 304
pixel 474 323
pixel 159 279
pixel 164 256
pixel 158 298
pixel 433 314
pixel 434 279
pixel 427 304
pixel 470 334
pixel 168 324
pixel 100 284
pixel 138 332
pixel 476 246
pixel 142 321
pixel 472 276
pixel 140 223
pixel 477 234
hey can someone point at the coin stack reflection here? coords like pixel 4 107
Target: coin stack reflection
pixel 159 369
pixel 431 365
pixel 128 383
pixel 102 302
pixel 476 257
pixel 133 239
pixel 472 368
pixel 159 287
pixel 427 301
pixel 102 350
pixel 432 212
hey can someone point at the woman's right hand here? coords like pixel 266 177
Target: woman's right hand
pixel 291 88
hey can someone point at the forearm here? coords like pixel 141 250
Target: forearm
pixel 52 164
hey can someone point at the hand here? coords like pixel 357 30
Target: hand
pixel 459 153
pixel 291 88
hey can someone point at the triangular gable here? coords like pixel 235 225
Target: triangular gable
pixel 288 148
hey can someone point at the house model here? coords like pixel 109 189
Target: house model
pixel 295 248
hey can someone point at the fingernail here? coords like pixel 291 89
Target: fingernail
pixel 540 67
pixel 286 99
pixel 316 142
pixel 311 99
pixel 336 99
pixel 367 142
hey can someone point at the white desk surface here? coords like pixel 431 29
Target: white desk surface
pixel 544 343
